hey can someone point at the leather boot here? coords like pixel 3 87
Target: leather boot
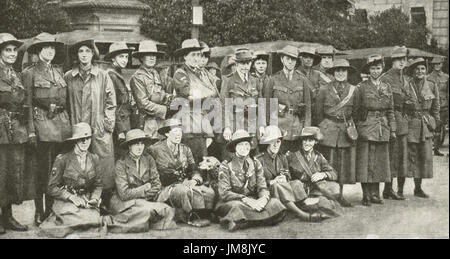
pixel 366 195
pixel 48 207
pixel 389 193
pixel 375 193
pixel 39 210
pixel 438 153
pixel 9 222
pixel 401 184
pixel 418 192
pixel 2 229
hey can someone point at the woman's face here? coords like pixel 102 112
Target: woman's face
pixel 193 59
pixel 243 148
pixel 213 71
pixel 244 67
pixel 149 61
pixel 341 74
pixel 83 144
pixel 399 63
pixel 47 53
pixel 308 144
pixel 438 67
pixel 9 54
pixel 289 62
pixel 175 135
pixel 137 148
pixel 326 61
pixel 204 59
pixel 307 60
pixel 121 60
pixel 260 66
pixel 376 70
pixel 274 148
pixel 420 71
pixel 85 55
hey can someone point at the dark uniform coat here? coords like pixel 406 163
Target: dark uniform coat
pixel 441 80
pixel 123 101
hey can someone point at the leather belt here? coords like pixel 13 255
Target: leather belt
pixel 337 119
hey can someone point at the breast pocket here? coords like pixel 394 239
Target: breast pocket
pixel 71 177
pixel 42 89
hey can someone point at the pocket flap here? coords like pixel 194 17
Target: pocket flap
pixel 42 84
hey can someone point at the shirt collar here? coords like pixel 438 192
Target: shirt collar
pixel 242 76
pixel 94 70
pixel 79 153
pixel 288 73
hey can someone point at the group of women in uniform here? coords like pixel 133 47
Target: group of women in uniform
pixel 106 156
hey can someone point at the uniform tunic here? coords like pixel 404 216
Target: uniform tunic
pixel 275 165
pixel 93 100
pixel 441 80
pixel 314 81
pixel 16 183
pixel 134 203
pixel 151 98
pixel 375 122
pixel 336 146
pixel 237 182
pixel 423 114
pixel 174 168
pixel 69 178
pixel 294 103
pixel 398 148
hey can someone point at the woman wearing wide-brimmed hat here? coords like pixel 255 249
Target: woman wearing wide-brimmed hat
pixel 376 127
pixel 117 58
pixel 336 107
pixel 294 98
pixel 259 69
pixel 134 203
pixel 278 177
pixel 14 134
pixel 182 184
pixel 51 123
pixel 92 99
pixel 193 83
pixel 423 116
pixel 398 147
pixel 148 89
pixel 244 198
pixel 75 184
pixel 309 59
pixel 327 55
pixel 317 175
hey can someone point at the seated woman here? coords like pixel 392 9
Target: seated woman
pixel 134 205
pixel 182 183
pixel 318 177
pixel 244 200
pixel 76 185
pixel 278 177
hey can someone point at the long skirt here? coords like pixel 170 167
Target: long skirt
pixel 141 216
pixel 420 158
pixel 343 160
pixel 16 183
pixel 372 162
pixel 292 191
pixel 67 219
pixel 239 212
pixel 398 157
pixel 185 199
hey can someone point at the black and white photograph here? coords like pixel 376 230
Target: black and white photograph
pixel 224 120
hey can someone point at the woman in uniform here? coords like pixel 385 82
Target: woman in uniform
pixel 376 126
pixel 244 199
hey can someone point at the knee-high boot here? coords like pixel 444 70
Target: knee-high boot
pixel 366 194
pixel 418 189
pixel 375 193
pixel 9 222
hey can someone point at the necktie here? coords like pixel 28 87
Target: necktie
pixel 245 166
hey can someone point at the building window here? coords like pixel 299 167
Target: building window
pixel 418 16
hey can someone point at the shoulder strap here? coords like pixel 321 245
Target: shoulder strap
pixel 344 101
pixel 304 164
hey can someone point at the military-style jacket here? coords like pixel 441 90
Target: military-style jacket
pixel 332 123
pixel 67 178
pixel 123 100
pixel 274 165
pixel 401 95
pixel 376 112
pixel 15 111
pixel 151 98
pixel 46 86
pixel 294 102
pixel 263 80
pixel 423 113
pixel 441 80
pixel 235 183
pixel 173 168
pixel 314 80
pixel 324 77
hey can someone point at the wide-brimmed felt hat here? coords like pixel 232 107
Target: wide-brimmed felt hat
pixel 326 51
pixel 243 55
pixel 311 132
pixel 169 124
pixel 237 137
pixel 310 51
pixel 90 43
pixel 260 54
pixel 340 63
pixel 399 52
pixel 135 135
pixel 187 46
pixel 205 47
pixel 147 47
pixel 271 134
pixel 414 63
pixel 289 50
pixel 115 49
pixel 45 39
pixel 437 60
pixel 80 130
pixel 231 61
pixel 212 65
pixel 372 59
pixel 7 38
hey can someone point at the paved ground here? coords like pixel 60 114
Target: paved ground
pixel 413 218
